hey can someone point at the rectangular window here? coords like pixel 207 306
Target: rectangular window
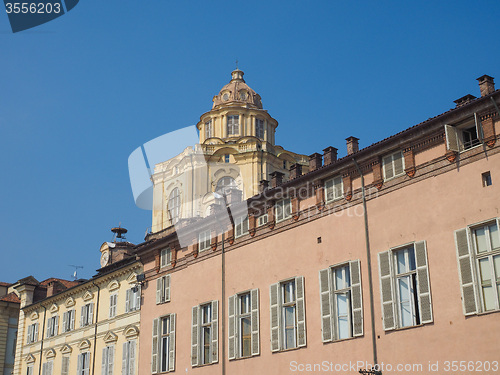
pixel 133 299
pixel 47 368
pixel 65 365
pixel 233 125
pixel 204 240
pixel 334 189
pixel 205 332
pixel 393 165
pixel 288 329
pixel 226 158
pixel 208 129
pixel 165 257
pixel 259 128
pixel 463 136
pixel 87 314
pixel 163 353
pixel 69 320
pixel 83 366
pixel 108 355
pixel 241 226
pixel 283 209
pixel 29 370
pixel 32 333
pixel 341 301
pixel 113 299
pixel 163 289
pixel 262 220
pixel 128 357
pixel 244 324
pixel 486 177
pixel 405 287
pixel 52 326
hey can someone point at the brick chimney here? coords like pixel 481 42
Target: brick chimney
pixel 486 85
pixel 276 178
pixel 295 171
pixel 352 145
pixel 464 100
pixel 315 161
pixel 329 155
pixel 263 185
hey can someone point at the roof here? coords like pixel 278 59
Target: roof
pixel 11 297
pixel 65 283
pixel 4 284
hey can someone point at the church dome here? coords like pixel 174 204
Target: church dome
pixel 238 93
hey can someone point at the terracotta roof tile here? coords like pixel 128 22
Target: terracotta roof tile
pixel 5 284
pixel 67 283
pixel 11 297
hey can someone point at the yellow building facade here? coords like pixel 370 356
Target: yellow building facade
pixel 9 315
pixel 83 327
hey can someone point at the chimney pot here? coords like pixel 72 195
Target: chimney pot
pixel 276 178
pixel 263 185
pixel 486 85
pixel 352 145
pixel 330 155
pixel 464 100
pixel 295 171
pixel 315 161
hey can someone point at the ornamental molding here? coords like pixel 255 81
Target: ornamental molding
pixel 54 308
pixel 30 358
pixel 51 353
pixel 110 337
pixel 113 285
pixel 131 332
pixel 70 302
pixel 88 296
pixel 66 349
pixel 84 345
pixel 132 278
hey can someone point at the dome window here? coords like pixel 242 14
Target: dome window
pixel 233 125
pixel 208 129
pixel 243 95
pixel 174 205
pixel 259 128
pixel 225 97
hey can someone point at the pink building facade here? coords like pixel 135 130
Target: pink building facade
pixel 389 256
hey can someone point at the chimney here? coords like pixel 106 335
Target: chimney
pixel 464 100
pixel 276 178
pixel 329 155
pixel 352 145
pixel 295 171
pixel 315 161
pixel 263 185
pixel 50 289
pixel 486 85
pixel 234 196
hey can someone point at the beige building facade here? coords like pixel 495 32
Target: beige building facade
pixel 389 256
pixel 82 327
pixel 9 316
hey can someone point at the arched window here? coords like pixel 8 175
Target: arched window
pixel 225 184
pixel 233 126
pixel 174 205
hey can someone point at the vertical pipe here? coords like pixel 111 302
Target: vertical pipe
pixel 96 320
pixel 41 343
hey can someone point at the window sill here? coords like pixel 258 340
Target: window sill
pixel 394 177
pixel 334 200
pixel 471 148
pixel 482 313
pixel 282 220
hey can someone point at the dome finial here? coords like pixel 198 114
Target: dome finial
pixel 236 64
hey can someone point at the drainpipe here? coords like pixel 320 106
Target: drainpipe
pixel 96 319
pixel 369 264
pixel 41 343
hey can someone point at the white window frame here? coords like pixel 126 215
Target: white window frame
pixel 204 240
pixel 158 346
pixel 32 333
pixel 165 257
pixel 206 339
pixel 208 129
pixel 113 303
pixel 241 225
pixel 334 188
pixel 83 366
pixel 259 128
pixel 133 299
pixel 236 318
pixel 52 326
pixel 283 209
pixel 407 277
pixel 107 360
pixel 174 205
pixel 198 327
pixel 262 220
pixel 68 320
pixel 454 135
pixel 87 317
pixel 390 163
pixel 233 125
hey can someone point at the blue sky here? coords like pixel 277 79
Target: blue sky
pixel 80 93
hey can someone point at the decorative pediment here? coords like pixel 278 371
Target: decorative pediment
pixel 29 358
pixel 88 296
pixel 84 345
pixel 110 337
pixel 54 308
pixel 70 302
pixel 51 353
pixel 34 315
pixel 113 285
pixel 132 278
pixel 131 332
pixel 66 349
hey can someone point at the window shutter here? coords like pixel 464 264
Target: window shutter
pixel 325 300
pixel 131 357
pixel 86 364
pixel 465 266
pixel 194 336
pixel 275 317
pixel 385 271
pixel 65 321
pixel 167 288
pixel 79 366
pixel 72 315
pixel 356 298
pixel 56 325
pixel 124 358
pixel 82 316
pixel 254 319
pixel 423 282
pixel 232 327
pixel 159 290
pixel 111 306
pixel 138 299
pixel 398 163
pixel 65 365
pixel 49 325
pixel 301 312
pixel 171 349
pixel 44 369
pixel 155 345
pixel 104 367
pixel 35 335
pixel 215 331
pixel 479 128
pixel 127 300
pixel 111 359
pixel 388 170
pixel 30 329
pixel 91 313
pixel 451 138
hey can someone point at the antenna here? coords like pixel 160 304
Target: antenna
pixel 119 232
pixel 75 274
